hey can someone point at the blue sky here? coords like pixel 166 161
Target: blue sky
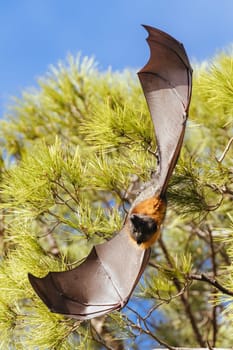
pixel 37 33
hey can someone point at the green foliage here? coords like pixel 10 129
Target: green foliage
pixel 76 150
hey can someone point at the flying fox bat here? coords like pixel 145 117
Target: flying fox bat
pixel 108 276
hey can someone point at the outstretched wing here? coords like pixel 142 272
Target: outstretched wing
pixel 102 283
pixel 166 82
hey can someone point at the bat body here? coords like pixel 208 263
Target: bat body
pixel 106 279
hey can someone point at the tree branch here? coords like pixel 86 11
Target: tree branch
pixel 220 159
pixel 146 330
pixel 183 298
pixel 214 268
pixel 203 277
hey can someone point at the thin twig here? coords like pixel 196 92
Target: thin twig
pixel 183 298
pixel 97 338
pixel 50 231
pixel 66 190
pixel 220 159
pixel 146 330
pixel 214 268
pixel 54 248
pixel 203 236
pixel 203 277
pixel 65 202
pixel 165 301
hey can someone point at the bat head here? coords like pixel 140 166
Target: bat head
pixel 143 227
pixel 145 220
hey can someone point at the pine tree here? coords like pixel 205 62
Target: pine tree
pixel 74 152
